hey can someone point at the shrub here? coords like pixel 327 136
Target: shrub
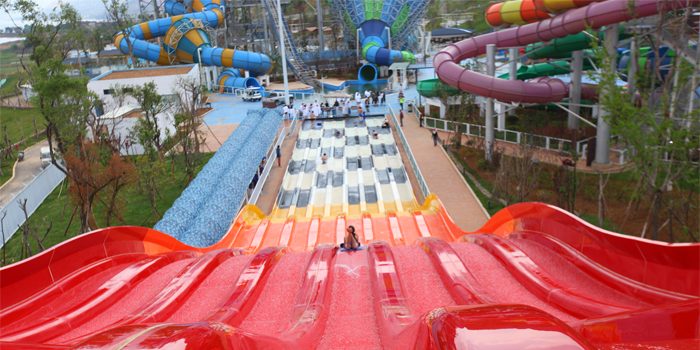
pixel 545 180
pixel 510 120
pixel 590 192
pixel 544 196
pixel 484 164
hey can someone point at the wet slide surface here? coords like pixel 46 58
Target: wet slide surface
pixel 150 289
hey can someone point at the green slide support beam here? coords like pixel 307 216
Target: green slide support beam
pixel 432 88
pixel 562 48
pixel 545 70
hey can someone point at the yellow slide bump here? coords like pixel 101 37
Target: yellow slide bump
pixel 327 209
pixel 399 205
pixel 118 40
pixel 219 15
pixel 510 12
pixel 371 208
pixel 195 37
pixel 380 207
pixel 146 30
pixel 184 56
pixel 163 59
pixel 227 58
pixel 197 6
pixel 272 66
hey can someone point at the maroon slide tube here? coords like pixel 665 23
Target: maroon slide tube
pixel 541 91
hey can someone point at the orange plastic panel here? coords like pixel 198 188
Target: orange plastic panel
pixel 493 15
pixel 530 13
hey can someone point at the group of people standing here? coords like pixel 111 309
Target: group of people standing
pixel 342 106
pixel 375 98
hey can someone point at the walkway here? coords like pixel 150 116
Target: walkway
pixel 24 172
pixel 442 178
pixel 268 195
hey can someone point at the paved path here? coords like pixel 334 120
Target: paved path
pixel 25 171
pixel 442 178
pixel 268 195
pixel 215 136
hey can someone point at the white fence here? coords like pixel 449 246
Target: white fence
pixel 35 192
pixel 548 143
pixel 298 96
pixel 414 164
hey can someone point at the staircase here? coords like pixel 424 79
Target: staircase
pixel 293 59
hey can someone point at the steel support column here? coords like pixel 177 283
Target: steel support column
pixel 491 69
pixel 575 90
pixel 602 152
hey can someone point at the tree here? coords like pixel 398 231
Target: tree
pixel 45 30
pixel 660 129
pixel 148 129
pixel 118 12
pixel 187 124
pixel 65 103
pixel 91 172
pixel 96 42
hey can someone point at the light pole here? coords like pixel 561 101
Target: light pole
pixel 282 51
pixel 199 54
pixel 223 12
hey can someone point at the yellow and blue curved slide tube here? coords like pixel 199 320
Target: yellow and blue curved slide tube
pixel 190 38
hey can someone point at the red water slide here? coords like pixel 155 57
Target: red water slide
pixel 532 274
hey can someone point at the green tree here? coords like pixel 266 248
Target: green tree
pixel 148 130
pixel 44 32
pixel 118 12
pixel 659 129
pixel 65 103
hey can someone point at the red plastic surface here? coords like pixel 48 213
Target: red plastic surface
pixel 623 263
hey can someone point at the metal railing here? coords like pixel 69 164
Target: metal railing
pixel 416 170
pixel 271 155
pixel 509 136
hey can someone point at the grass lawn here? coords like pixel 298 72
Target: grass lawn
pixel 11 68
pixel 12 118
pixel 9 86
pixel 137 212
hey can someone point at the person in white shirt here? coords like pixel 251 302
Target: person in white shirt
pixel 367 93
pixel 305 111
pixel 285 111
pixel 358 97
pixel 317 110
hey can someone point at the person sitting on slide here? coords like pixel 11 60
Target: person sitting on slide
pixel 351 241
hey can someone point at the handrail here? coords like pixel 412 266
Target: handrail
pixel 270 161
pixel 416 170
pixel 279 138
